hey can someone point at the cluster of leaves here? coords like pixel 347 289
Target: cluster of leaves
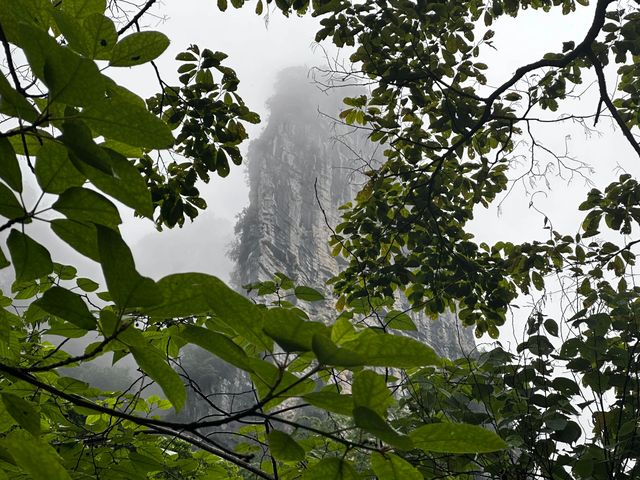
pixel 208 115
pixel 88 143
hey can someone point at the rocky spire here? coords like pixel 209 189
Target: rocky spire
pixel 301 170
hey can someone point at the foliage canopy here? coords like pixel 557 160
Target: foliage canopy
pixel 449 137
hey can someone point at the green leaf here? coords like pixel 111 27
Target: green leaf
pixel 569 434
pixel 13 104
pixel 101 36
pixel 154 364
pixel 331 401
pixel 3 260
pixel 277 384
pixel 370 390
pixel 291 332
pixel 184 295
pixel 551 326
pixel 35 457
pixel 138 48
pixel 78 138
pixel 10 207
pixel 456 438
pixel 308 294
pixel 9 166
pixel 239 313
pixel 126 286
pixel 386 350
pixel 283 447
pixel 81 236
pixel 54 171
pixel 218 344
pixel 30 259
pixel 71 79
pixel 392 467
pixel 399 321
pixel 22 412
pixel 371 422
pixel 537 280
pixel 87 284
pixel 117 117
pixel 331 469
pixel 331 355
pixel 83 8
pixel 82 204
pixel 188 294
pixel 67 305
pixel 74 35
pixel 126 184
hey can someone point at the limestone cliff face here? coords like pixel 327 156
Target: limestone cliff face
pixel 298 176
pixel 301 170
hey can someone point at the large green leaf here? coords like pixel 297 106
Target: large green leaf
pixel 331 469
pixel 308 294
pixel 283 447
pixel 154 364
pixel 81 236
pixel 101 36
pixel 67 305
pixel 456 438
pixel 125 184
pixel 71 78
pixel 392 467
pixel 270 381
pixel 15 105
pixel 3 260
pixel 30 259
pixel 117 117
pixel 94 36
pixel 331 401
pixel 218 344
pixel 126 286
pixel 9 166
pixel 22 412
pixel 291 332
pixel 368 420
pixel 237 312
pixel 35 457
pixel 54 171
pixel 74 35
pixel 386 350
pixel 370 390
pixel 10 207
pixel 13 14
pixel 78 138
pixel 184 295
pixel 138 48
pixel 188 294
pixel 328 353
pixel 83 8
pixel 82 204
pixel 399 321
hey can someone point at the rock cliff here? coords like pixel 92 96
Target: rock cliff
pixel 301 170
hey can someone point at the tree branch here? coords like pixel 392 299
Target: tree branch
pixel 137 16
pixel 604 97
pixel 12 68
